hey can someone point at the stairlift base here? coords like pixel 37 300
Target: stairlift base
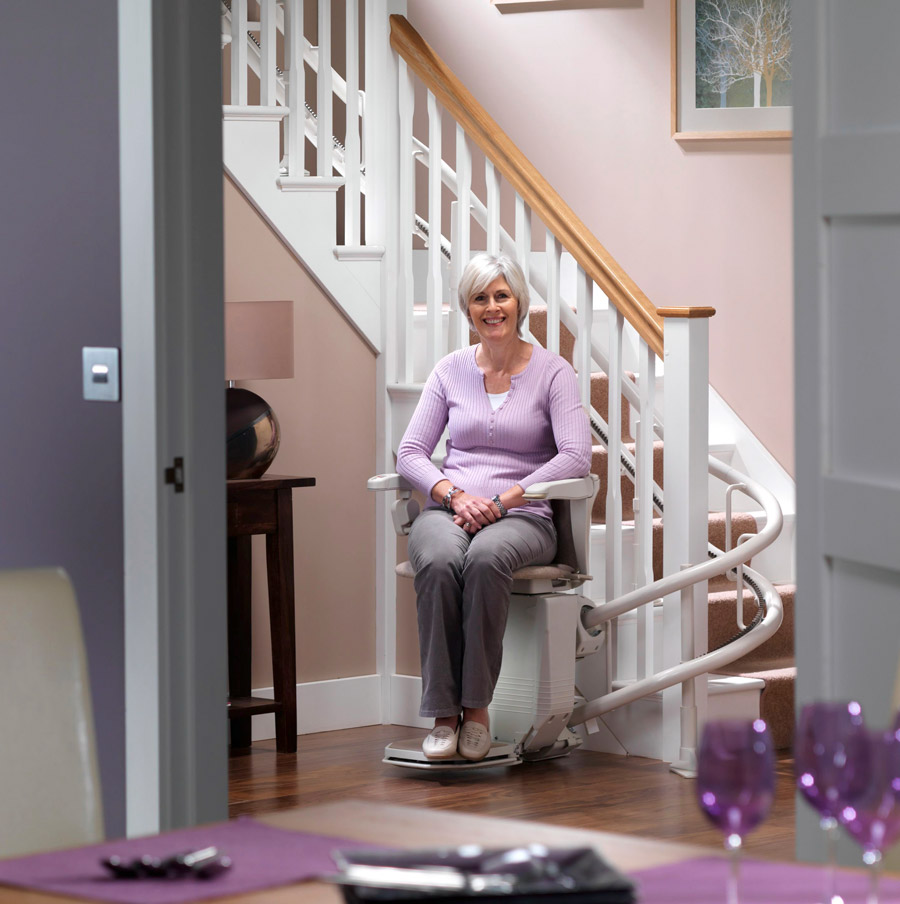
pixel 535 692
pixel 409 754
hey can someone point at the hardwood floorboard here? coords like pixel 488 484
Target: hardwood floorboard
pixel 631 795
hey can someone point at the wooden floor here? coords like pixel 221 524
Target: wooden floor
pixel 631 795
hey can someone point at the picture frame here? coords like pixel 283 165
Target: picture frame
pixel 739 109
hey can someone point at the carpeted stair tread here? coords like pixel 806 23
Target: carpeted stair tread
pixel 772 661
pixel 537 323
pixel 599 459
pixel 741 523
pixel 722 626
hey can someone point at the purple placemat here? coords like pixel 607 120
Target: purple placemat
pixel 262 856
pixel 702 881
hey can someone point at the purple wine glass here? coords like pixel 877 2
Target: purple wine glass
pixel 870 809
pixel 735 783
pixel 825 765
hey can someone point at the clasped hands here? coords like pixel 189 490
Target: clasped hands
pixel 472 513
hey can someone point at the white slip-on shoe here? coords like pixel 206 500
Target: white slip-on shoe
pixel 474 741
pixel 441 743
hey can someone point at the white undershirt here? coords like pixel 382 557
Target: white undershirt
pixel 497 398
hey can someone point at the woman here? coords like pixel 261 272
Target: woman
pixel 514 419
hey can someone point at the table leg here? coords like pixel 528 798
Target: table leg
pixel 280 568
pixel 239 632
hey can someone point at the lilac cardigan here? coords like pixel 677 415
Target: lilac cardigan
pixel 539 433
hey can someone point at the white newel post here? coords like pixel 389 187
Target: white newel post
pixel 381 151
pixel 685 521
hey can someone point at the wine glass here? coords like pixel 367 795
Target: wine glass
pixel 825 765
pixel 735 783
pixel 870 807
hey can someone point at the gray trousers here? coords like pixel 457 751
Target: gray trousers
pixel 463 584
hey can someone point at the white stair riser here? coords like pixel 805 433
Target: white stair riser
pixel 636 728
pixel 305 220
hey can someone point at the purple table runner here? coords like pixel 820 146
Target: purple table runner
pixel 702 881
pixel 263 857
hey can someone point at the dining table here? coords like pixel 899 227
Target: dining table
pixel 665 872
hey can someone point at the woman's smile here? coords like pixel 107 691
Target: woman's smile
pixel 494 310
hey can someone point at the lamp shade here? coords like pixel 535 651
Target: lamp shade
pixel 259 340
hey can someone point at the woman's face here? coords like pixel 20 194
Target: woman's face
pixel 494 312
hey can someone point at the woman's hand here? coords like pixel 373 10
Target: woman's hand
pixel 472 513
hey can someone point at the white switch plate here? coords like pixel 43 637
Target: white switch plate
pixel 100 374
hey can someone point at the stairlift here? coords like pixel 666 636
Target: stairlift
pixel 535 693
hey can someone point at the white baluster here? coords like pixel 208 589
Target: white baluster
pixel 324 95
pixel 492 182
pixel 462 235
pixel 352 141
pixel 686 516
pixel 613 545
pixel 407 216
pixel 295 78
pixel 552 294
pixel 523 244
pixel 267 53
pixel 239 53
pixel 582 357
pixel 643 505
pixel 434 281
pixel 614 466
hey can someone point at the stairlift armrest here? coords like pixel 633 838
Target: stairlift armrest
pixel 573 488
pixel 389 482
pixel 405 509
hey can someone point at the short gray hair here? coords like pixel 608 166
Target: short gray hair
pixel 482 270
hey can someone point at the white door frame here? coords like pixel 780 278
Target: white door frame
pixel 173 406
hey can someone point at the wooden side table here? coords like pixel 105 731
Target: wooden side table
pixel 262 506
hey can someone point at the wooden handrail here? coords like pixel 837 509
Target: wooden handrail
pixel 534 189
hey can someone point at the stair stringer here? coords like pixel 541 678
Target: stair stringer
pixel 304 219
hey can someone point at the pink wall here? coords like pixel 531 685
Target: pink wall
pixel 327 417
pixel 705 223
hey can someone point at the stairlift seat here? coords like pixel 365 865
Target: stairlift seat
pixel 555 572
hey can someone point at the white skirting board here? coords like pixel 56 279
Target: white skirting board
pixel 326 706
pixel 406 693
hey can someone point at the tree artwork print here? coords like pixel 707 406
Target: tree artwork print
pixel 743 53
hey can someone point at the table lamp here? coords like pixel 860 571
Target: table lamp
pixel 259 345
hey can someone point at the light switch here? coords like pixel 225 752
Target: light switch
pixel 100 374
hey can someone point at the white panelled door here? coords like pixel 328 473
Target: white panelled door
pixel 847 324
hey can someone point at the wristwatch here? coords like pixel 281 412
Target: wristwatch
pixel 500 505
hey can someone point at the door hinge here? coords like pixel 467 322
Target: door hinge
pixel 175 474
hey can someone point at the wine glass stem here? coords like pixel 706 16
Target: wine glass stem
pixel 830 827
pixel 734 847
pixel 874 877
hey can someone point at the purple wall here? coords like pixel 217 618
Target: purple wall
pixel 61 457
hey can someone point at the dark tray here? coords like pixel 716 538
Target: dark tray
pixel 577 875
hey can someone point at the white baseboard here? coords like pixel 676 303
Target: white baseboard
pixel 326 706
pixel 406 693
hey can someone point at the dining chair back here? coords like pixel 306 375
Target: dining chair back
pixel 49 782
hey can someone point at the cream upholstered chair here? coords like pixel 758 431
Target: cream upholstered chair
pixel 49 784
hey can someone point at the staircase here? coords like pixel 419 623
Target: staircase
pixel 655 619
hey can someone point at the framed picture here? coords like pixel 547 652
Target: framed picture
pixel 731 69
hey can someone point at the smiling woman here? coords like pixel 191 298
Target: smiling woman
pixel 514 418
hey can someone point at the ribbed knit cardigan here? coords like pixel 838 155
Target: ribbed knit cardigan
pixel 539 433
